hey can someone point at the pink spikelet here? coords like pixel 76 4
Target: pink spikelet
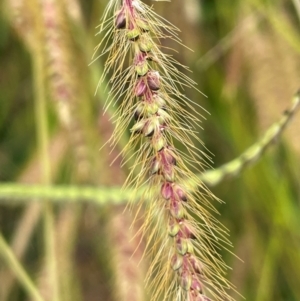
pixel 183 237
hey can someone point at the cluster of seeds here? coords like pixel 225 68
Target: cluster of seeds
pixel 187 263
pixel 152 119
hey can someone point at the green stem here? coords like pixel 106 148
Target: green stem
pixel 43 142
pixel 21 274
pixel 253 153
pixel 64 193
pixel 267 277
pixel 115 195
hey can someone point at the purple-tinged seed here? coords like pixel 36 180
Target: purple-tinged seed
pixel 181 245
pixel 176 209
pixel 195 264
pixel 196 284
pixel 167 190
pixel 169 157
pixel 176 261
pixel 153 80
pixel 186 231
pixel 186 280
pixel 140 88
pixel 121 20
pixel 180 193
pixel 168 172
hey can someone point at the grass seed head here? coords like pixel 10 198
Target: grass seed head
pixel 150 86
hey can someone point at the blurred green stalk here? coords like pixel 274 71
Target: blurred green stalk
pixel 15 265
pixel 43 143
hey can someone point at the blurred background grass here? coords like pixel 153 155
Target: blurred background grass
pixel 245 59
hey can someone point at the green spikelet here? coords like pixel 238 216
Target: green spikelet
pixel 185 264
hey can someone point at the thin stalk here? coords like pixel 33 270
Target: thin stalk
pixel 43 142
pixel 20 193
pixel 19 244
pixel 267 274
pixel 103 195
pixel 21 274
pixel 254 152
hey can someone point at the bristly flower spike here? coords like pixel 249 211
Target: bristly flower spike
pixel 183 236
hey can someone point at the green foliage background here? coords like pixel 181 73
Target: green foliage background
pixel 245 59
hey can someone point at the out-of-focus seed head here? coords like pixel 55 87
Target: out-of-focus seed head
pixel 176 261
pixel 133 34
pixel 153 80
pixel 121 20
pixel 167 190
pixel 140 88
pixel 176 209
pixel 173 227
pixel 186 280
